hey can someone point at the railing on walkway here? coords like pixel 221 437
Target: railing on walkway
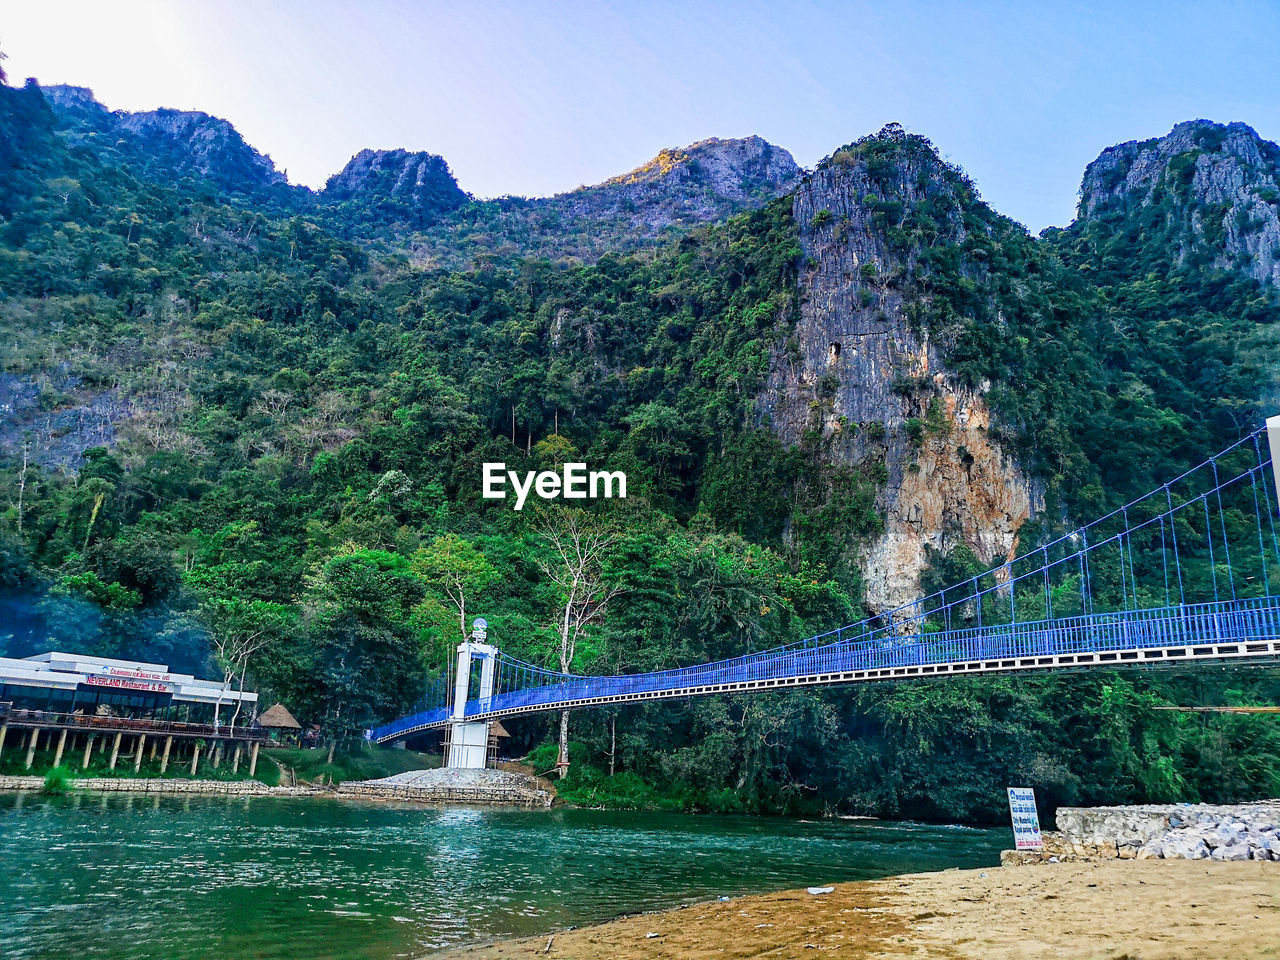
pixel 19 717
pixel 1195 563
pixel 994 648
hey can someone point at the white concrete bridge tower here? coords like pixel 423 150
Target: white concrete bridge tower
pixel 469 741
pixel 1273 439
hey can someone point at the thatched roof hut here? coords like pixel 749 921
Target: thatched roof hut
pixel 278 718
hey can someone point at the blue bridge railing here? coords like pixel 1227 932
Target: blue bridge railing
pixel 1195 561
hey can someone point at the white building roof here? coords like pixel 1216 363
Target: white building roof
pixel 67 671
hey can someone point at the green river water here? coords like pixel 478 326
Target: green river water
pixel 95 876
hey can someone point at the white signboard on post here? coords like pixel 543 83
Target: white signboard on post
pixel 1026 822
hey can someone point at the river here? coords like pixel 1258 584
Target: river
pixel 97 876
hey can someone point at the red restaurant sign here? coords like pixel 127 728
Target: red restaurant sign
pixel 124 683
pixel 136 674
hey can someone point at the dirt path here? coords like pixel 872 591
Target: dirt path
pixel 1108 910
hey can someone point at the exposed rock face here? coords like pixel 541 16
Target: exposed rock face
pixel 67 99
pixel 964 490
pixel 57 438
pixel 201 144
pixel 692 183
pixel 180 143
pixel 875 387
pixel 1220 186
pixel 418 182
pixel 675 191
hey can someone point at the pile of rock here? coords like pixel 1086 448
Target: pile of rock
pixel 1248 835
pixel 1247 831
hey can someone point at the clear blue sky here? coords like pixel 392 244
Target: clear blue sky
pixel 538 97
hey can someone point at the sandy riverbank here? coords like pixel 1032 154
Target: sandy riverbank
pixel 1108 910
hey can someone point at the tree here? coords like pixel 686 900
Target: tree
pixel 454 571
pixel 239 630
pixel 369 663
pixel 579 543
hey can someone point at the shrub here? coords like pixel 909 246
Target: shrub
pixel 57 781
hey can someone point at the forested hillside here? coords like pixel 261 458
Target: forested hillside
pixel 239 415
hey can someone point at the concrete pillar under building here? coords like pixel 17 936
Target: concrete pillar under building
pixel 115 751
pixel 253 760
pixel 235 759
pixel 164 759
pixel 31 745
pixel 137 756
pixel 217 754
pixel 195 757
pixel 88 750
pixel 4 732
pixel 153 749
pixel 62 745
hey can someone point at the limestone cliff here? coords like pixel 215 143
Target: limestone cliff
pixel 172 144
pixel 1204 189
pixel 413 186
pixel 863 373
pixel 676 191
pixel 703 181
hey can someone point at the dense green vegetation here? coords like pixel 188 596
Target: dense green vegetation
pixel 297 423
pixel 361 762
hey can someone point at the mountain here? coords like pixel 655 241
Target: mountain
pixel 677 190
pixel 410 199
pixel 1179 240
pixel 703 181
pixel 173 145
pixel 396 186
pixel 942 348
pixel 1206 191
pixel 891 234
pixel 231 404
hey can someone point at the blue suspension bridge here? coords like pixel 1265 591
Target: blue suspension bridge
pixel 1188 573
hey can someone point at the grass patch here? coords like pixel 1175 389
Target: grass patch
pixel 589 786
pixel 366 762
pixel 57 781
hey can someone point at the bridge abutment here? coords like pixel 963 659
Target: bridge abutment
pixel 468 746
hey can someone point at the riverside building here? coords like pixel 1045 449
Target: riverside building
pixel 53 703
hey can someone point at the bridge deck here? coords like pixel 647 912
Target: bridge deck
pixel 1227 630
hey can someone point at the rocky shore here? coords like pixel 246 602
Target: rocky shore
pixel 235 788
pixel 502 787
pixel 1246 831
pixel 454 786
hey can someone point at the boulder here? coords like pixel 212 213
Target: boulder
pixel 1151 850
pixel 1236 851
pixel 1185 846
